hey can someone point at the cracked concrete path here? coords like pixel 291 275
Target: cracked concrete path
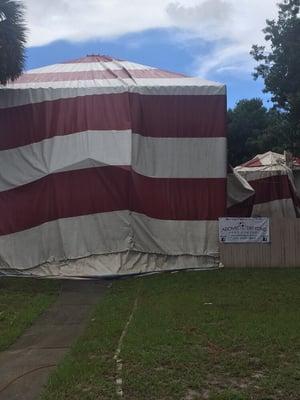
pixel 27 364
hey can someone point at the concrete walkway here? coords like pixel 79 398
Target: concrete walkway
pixel 27 364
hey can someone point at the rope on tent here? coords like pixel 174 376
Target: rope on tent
pixel 117 358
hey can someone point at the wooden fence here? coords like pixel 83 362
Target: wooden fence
pixel 283 251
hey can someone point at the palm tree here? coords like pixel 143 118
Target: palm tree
pixel 12 40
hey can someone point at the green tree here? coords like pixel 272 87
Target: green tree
pixel 253 129
pixel 275 137
pixel 12 40
pixel 279 68
pixel 246 122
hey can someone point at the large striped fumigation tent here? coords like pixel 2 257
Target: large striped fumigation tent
pixel 110 167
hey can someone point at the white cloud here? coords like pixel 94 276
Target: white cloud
pixel 78 20
pixel 209 19
pixel 229 26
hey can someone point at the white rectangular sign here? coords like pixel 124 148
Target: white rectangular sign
pixel 244 230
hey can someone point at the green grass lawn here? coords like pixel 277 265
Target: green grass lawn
pixel 222 335
pixel 21 302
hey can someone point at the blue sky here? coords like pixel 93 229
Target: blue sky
pixel 206 38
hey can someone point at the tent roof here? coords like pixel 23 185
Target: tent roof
pixel 267 159
pixel 269 163
pixel 107 72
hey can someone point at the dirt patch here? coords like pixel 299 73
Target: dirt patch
pixel 196 395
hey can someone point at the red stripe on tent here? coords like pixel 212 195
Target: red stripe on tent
pixel 275 187
pixel 107 189
pixel 35 122
pixel 91 75
pixel 178 199
pixel 255 162
pixel 63 195
pixel 179 116
pixel 154 116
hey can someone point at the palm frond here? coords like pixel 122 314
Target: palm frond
pixel 12 40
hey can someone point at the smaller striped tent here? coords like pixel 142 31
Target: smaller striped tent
pixel 296 173
pixel 110 167
pixel 273 183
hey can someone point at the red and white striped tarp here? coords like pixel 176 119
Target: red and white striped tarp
pixel 240 195
pixel 110 167
pixel 273 183
pixel 296 173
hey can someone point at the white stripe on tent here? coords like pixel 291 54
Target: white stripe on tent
pixel 19 97
pixel 179 86
pixel 92 66
pixel 26 93
pixel 253 174
pixel 179 157
pixel 153 157
pixel 280 208
pixel 67 238
pixel 106 233
pixel 175 237
pixel 63 153
pixel 126 262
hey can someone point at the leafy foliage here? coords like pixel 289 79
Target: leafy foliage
pixel 12 40
pixel 252 129
pixel 279 67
